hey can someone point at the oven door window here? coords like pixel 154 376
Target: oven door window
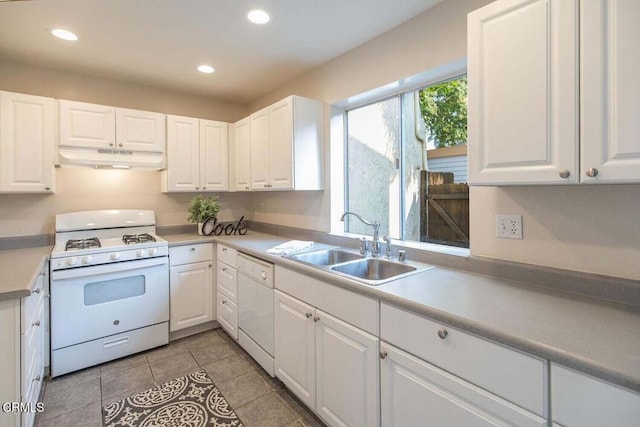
pixel 114 290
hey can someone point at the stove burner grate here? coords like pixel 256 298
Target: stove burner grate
pixel 90 243
pixel 137 238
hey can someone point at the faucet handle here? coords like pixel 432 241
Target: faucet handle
pixel 364 246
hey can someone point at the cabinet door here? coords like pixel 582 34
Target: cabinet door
pixel 240 156
pixel 280 156
pixel 413 391
pixel 259 150
pixel 27 140
pixel 183 154
pixel 192 295
pixel 609 100
pixel 214 155
pixel 523 104
pixel 295 342
pixel 347 373
pixel 87 125
pixel 140 130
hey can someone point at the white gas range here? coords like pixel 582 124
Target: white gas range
pixel 109 288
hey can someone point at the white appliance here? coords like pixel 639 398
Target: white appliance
pixel 109 288
pixel 255 306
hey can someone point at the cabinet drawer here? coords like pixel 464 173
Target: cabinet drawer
pixel 228 315
pixel 227 255
pixel 190 253
pixel 581 400
pixel 349 306
pixel 515 376
pixel 227 281
pixel 29 305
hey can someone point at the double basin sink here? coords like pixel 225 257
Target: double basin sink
pixel 372 271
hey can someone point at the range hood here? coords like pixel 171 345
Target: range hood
pixel 108 158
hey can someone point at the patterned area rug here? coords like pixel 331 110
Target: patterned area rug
pixel 190 401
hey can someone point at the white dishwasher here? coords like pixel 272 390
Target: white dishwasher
pixel 255 309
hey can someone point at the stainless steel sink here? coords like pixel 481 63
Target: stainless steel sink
pixel 374 269
pixel 327 257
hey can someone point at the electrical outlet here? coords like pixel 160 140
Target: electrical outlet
pixel 509 226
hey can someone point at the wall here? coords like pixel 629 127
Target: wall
pixel 585 228
pixel 87 189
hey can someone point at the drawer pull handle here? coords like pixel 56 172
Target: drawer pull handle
pixel 36 291
pixel 224 249
pixel 224 302
pixel 115 343
pixel 308 315
pixel 36 379
pixel 316 318
pixel 36 323
pixel 442 333
pixel 224 269
pixel 192 249
pixel 383 354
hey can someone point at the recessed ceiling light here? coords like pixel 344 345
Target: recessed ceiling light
pixel 258 16
pixel 64 34
pixel 206 69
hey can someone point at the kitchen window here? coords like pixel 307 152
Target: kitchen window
pixel 406 165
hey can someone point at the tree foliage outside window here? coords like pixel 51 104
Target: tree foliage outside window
pixel 444 111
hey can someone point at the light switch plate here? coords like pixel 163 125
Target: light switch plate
pixel 509 226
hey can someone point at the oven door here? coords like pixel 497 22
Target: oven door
pixel 94 302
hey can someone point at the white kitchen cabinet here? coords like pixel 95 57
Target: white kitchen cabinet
pixel 192 286
pixel 413 391
pixel 84 125
pixel 28 135
pixel 140 130
pixel 286 145
pixel 22 353
pixel 197 155
pixel 581 400
pixel 330 365
pixel 609 107
pixel 227 287
pixel 523 92
pixel 240 155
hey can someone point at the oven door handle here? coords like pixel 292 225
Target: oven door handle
pixel 108 268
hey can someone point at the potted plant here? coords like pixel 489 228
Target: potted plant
pixel 201 208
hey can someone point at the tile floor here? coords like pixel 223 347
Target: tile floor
pixel 76 399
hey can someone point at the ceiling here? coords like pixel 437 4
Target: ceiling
pixel 161 42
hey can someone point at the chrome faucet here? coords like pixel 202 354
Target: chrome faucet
pixel 375 244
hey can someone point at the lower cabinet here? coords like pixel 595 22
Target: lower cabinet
pixel 227 288
pixel 413 391
pixel 329 364
pixel 192 286
pixel 581 400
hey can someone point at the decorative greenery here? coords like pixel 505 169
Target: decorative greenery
pixel 444 110
pixel 201 208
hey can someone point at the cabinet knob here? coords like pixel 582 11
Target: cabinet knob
pixel 37 291
pixel 316 318
pixel 111 144
pixel 224 269
pixel 263 275
pixel 383 354
pixel 192 249
pixel 204 188
pixel 565 174
pixel 120 145
pixel 308 315
pixel 224 249
pixel 442 333
pixel 224 301
pixel 592 172
pixel 246 188
pixel 36 379
pixel 37 323
pixel 210 265
pixel 265 186
pixel 47 188
pixel 197 188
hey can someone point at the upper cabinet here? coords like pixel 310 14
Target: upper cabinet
pixel 240 155
pixel 286 145
pixel 197 155
pixel 523 99
pixel 27 143
pixel 531 119
pixel 99 126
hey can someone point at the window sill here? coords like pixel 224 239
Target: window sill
pixel 420 246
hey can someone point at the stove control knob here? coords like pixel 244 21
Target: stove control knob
pixel 140 253
pixel 86 259
pixel 72 261
pixel 152 251
pixel 115 256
